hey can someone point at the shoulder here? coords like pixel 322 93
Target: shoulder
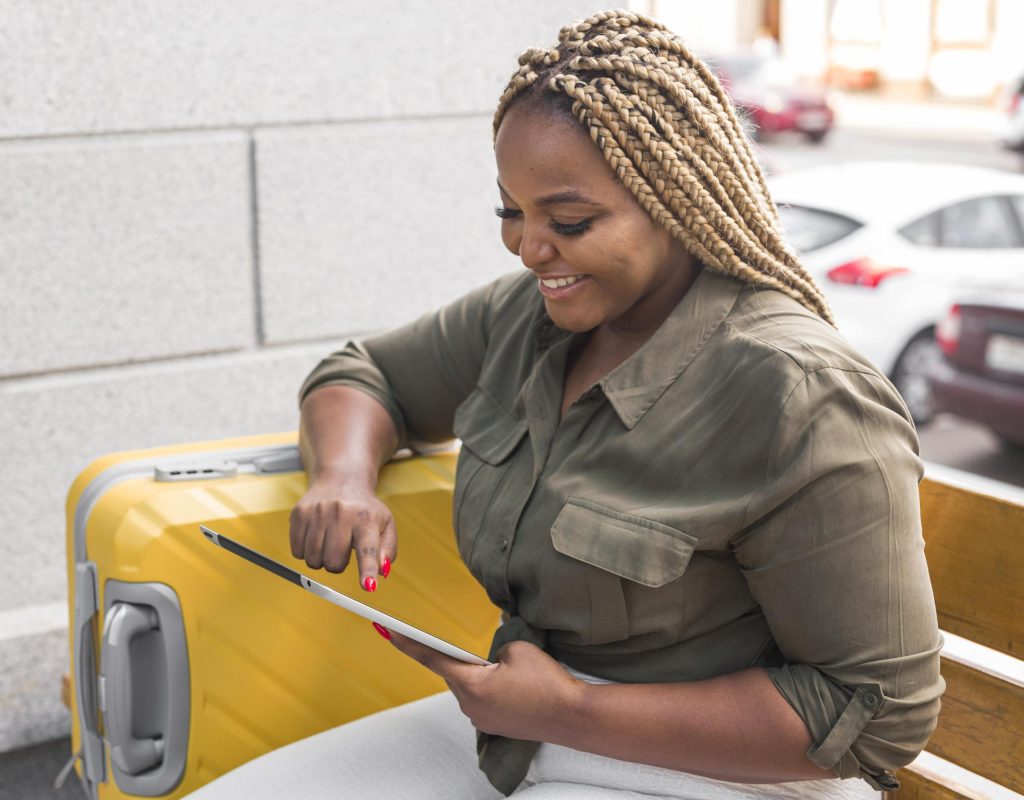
pixel 800 354
pixel 489 308
pixel 777 325
pixel 823 408
pixel 513 294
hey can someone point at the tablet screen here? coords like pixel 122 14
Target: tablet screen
pixel 340 599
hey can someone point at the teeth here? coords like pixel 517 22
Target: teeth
pixel 557 283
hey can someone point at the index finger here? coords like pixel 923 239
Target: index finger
pixel 450 669
pixel 366 543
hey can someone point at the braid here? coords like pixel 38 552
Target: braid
pixel 665 126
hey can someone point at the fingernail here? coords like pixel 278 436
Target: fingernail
pixel 385 568
pixel 382 631
pixel 370 584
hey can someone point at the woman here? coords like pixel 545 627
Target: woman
pixel 696 505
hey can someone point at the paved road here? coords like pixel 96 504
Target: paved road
pixel 785 153
pixel 948 440
pixel 972 448
pixel 28 774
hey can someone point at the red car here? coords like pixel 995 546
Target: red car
pixel 772 97
pixel 981 376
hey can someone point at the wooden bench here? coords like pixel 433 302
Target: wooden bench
pixel 974 543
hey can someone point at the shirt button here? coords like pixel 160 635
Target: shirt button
pixel 870 699
pixel 503 545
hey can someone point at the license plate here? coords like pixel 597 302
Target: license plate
pixel 812 120
pixel 1005 353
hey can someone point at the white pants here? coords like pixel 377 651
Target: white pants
pixel 427 749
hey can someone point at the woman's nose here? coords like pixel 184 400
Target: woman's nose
pixel 535 249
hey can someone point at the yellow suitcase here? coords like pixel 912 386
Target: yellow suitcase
pixel 187 661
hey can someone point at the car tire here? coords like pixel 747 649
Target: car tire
pixel 910 375
pixel 816 137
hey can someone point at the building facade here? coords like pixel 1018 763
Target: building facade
pixel 965 50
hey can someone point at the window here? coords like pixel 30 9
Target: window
pixel 984 222
pixel 811 228
pixel 924 231
pixel 1017 201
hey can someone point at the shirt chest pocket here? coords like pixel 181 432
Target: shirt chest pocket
pixel 625 561
pixel 490 435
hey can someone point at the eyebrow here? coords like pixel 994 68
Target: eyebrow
pixel 571 196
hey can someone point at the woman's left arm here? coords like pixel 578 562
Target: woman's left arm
pixel 833 554
pixel 734 727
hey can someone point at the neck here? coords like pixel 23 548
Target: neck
pixel 638 325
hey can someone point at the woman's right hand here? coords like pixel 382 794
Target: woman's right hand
pixel 337 517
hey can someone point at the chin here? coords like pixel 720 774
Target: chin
pixel 571 322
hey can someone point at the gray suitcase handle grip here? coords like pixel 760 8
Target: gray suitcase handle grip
pixel 124 622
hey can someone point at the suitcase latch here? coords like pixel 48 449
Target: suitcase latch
pixel 195 472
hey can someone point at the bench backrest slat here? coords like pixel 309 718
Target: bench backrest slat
pixel 975 550
pixel 921 787
pixel 974 543
pixel 981 725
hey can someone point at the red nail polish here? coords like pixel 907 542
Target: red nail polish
pixel 385 568
pixel 382 631
pixel 370 584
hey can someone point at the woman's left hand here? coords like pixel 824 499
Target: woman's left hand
pixel 525 694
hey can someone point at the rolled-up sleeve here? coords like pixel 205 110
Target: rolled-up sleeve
pixel 422 371
pixel 835 558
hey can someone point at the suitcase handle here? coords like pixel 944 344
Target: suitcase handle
pixel 125 622
pixel 144 687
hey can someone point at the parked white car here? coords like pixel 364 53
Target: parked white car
pixel 892 244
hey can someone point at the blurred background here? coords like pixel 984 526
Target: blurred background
pixel 199 200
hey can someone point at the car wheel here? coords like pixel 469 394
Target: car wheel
pixel 910 375
pixel 816 137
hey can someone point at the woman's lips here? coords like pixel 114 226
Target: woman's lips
pixel 571 285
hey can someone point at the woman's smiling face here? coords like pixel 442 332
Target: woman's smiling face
pixel 599 257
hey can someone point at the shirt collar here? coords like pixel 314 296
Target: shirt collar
pixel 637 383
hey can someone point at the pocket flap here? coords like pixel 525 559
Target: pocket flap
pixel 632 547
pixel 486 428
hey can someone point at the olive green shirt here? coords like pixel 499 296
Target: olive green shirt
pixel 741 491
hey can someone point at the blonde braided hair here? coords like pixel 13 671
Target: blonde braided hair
pixel 662 121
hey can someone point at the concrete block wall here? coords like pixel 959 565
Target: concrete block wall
pixel 212 194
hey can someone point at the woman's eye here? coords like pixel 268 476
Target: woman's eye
pixel 571 229
pixel 561 228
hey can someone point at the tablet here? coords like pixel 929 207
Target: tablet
pixel 343 600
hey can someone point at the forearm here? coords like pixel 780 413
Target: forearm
pixel 345 434
pixel 735 727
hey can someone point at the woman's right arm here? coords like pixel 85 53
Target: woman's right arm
pixel 345 436
pixel 362 403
